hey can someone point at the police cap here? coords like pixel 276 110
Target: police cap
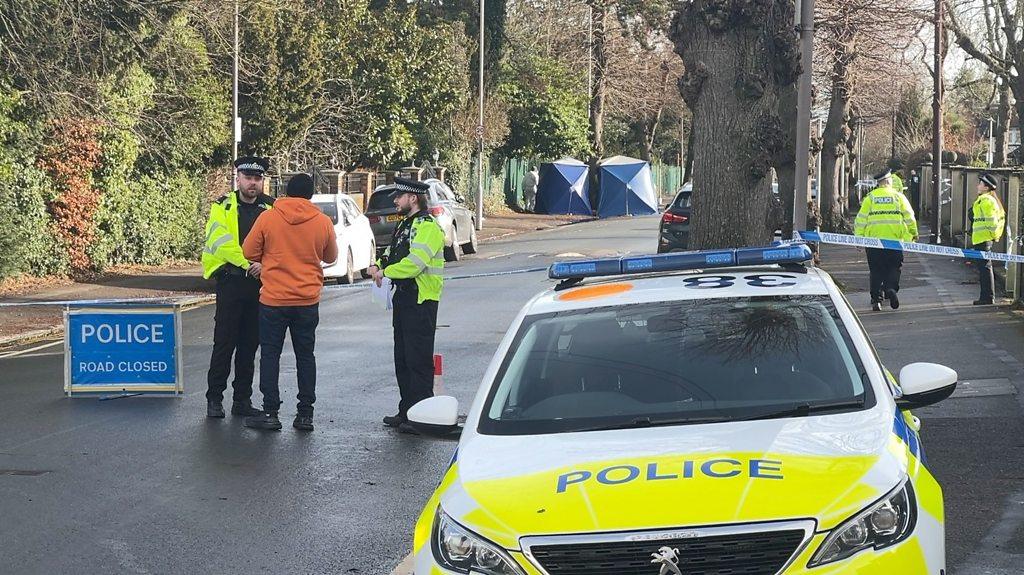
pixel 883 175
pixel 252 165
pixel 989 180
pixel 407 186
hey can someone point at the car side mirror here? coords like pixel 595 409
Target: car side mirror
pixel 924 384
pixel 436 416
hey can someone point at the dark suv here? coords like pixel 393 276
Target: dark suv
pixel 674 232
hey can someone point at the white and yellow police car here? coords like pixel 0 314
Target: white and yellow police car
pixel 668 418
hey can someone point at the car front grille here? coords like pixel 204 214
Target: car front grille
pixel 748 553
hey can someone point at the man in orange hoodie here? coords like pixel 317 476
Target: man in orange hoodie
pixel 290 242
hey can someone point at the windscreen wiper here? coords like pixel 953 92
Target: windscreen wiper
pixel 806 409
pixel 645 421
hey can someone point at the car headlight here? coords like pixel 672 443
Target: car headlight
pixel 883 524
pixel 460 550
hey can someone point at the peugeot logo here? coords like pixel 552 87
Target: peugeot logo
pixel 668 558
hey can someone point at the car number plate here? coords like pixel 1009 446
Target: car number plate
pixel 395 218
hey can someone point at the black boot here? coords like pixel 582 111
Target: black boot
pixel 894 300
pixel 265 420
pixel 406 428
pixel 876 306
pixel 303 422
pixel 983 302
pixel 394 420
pixel 214 409
pixel 244 408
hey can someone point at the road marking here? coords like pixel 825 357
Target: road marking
pixel 29 350
pixel 405 567
pixel 494 257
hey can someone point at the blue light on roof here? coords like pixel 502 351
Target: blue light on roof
pixel 776 254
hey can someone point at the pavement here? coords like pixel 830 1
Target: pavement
pixel 149 485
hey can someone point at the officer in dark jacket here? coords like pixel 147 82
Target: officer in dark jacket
pixel 236 321
pixel 414 262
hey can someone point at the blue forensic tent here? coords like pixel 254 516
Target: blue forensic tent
pixel 626 188
pixel 563 188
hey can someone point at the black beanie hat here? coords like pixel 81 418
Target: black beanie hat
pixel 300 186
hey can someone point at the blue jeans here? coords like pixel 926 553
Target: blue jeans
pixel 301 321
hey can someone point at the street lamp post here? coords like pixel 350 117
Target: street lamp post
pixel 236 121
pixel 937 129
pixel 990 156
pixel 480 133
pixel 803 121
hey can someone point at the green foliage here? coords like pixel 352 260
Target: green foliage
pixel 413 84
pixel 143 218
pixel 29 247
pixel 548 113
pixel 284 71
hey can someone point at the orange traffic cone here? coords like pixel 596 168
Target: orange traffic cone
pixel 438 384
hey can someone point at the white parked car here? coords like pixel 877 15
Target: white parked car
pixel 356 246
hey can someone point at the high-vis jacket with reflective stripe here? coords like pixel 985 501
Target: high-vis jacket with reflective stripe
pixel 222 244
pixel 886 214
pixel 988 220
pixel 424 261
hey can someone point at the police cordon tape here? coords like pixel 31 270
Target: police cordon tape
pixel 448 278
pixel 936 250
pixel 166 300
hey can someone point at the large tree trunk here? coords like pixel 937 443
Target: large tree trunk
pixel 738 58
pixel 1000 129
pixel 833 148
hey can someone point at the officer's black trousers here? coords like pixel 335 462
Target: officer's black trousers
pixel 985 272
pixel 236 332
pixel 415 325
pixel 885 267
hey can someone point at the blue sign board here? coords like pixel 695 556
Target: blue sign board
pixel 123 349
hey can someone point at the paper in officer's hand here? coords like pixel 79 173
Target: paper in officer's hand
pixel 382 294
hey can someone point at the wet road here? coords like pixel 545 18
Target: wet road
pixel 149 485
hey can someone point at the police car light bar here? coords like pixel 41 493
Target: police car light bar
pixel 792 253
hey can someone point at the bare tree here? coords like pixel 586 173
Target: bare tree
pixel 864 42
pixel 990 32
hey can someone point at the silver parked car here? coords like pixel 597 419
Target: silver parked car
pixel 457 221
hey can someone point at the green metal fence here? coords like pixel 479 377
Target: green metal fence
pixel 667 179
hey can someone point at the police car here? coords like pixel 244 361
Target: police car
pixel 658 416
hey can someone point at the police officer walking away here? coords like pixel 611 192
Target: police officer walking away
pixel 988 220
pixel 885 213
pixel 414 262
pixel 236 321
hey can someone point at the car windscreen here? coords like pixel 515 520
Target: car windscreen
pixel 330 209
pixel 682 200
pixel 381 200
pixel 675 362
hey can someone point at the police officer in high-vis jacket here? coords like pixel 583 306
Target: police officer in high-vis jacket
pixel 988 220
pixel 236 322
pixel 885 213
pixel 414 262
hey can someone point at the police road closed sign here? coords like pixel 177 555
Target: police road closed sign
pixel 123 349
